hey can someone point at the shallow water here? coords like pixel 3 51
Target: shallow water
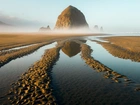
pixel 11 72
pixel 125 67
pixel 75 83
pixel 17 48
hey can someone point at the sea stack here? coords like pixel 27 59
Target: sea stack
pixel 96 27
pixel 101 29
pixel 71 18
pixel 43 29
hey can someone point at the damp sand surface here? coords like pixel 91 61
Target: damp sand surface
pixel 74 82
pixel 130 43
pixel 12 71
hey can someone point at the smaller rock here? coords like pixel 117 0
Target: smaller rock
pixel 101 29
pixel 96 27
pixel 43 29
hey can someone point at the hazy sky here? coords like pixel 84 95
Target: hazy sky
pixel 117 15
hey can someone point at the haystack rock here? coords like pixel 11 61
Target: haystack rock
pixel 45 29
pixel 71 18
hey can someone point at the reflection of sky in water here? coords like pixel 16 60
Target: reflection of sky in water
pixel 110 35
pixel 75 83
pixel 125 67
pixel 74 79
pixel 11 71
pixel 16 48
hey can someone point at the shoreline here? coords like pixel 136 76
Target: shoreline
pixel 11 55
pixel 96 65
pixel 43 65
pixel 36 82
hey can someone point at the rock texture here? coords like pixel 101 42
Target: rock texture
pixel 71 18
pixel 45 28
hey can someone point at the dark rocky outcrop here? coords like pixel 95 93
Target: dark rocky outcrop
pixel 71 18
pixel 43 29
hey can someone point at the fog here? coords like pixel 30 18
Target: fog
pixel 8 29
pixel 75 31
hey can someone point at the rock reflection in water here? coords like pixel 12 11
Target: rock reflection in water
pixel 77 84
pixel 72 47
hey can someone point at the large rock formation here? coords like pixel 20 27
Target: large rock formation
pixel 71 18
pixel 43 29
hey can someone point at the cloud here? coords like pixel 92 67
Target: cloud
pixel 21 24
pixel 16 21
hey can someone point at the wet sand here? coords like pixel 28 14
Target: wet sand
pixel 121 52
pixel 12 71
pixel 75 83
pixel 126 47
pixel 12 40
pixel 108 73
pixel 130 43
pixel 34 87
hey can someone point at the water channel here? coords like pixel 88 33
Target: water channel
pixel 73 81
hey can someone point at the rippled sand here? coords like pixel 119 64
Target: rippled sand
pixel 72 80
